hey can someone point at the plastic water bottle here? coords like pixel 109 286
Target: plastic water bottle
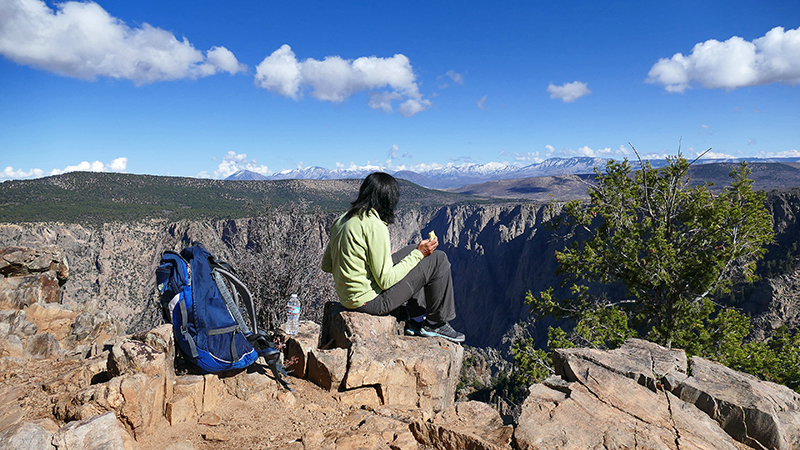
pixel 292 315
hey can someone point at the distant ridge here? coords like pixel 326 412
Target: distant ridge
pixel 102 197
pixel 455 176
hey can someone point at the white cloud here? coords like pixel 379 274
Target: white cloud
pixel 412 106
pixel 751 142
pixel 481 102
pixel 222 59
pixel 715 155
pixel 456 77
pixel 11 173
pixel 706 126
pixel 117 165
pixel 233 162
pixel 393 151
pixel 569 92
pixel 735 63
pixel 383 100
pixel 81 40
pixel 335 79
pixel 794 153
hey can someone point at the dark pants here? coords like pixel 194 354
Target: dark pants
pixel 426 289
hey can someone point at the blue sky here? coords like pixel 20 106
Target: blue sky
pixel 206 88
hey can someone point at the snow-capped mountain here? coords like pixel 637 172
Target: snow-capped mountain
pixel 443 177
pixel 453 176
pixel 246 175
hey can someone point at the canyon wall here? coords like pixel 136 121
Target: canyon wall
pixel 498 252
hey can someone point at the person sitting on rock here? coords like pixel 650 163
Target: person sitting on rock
pixel 370 279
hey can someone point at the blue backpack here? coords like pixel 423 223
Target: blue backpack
pixel 200 297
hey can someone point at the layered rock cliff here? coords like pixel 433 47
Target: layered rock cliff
pixel 498 252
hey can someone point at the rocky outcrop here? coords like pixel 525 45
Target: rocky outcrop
pixel 112 266
pixel 755 412
pixel 638 396
pixel 465 425
pixel 645 396
pixel 101 432
pixel 33 324
pixel 120 389
pixel 368 357
pixel 31 275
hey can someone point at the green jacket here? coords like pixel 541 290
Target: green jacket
pixel 360 258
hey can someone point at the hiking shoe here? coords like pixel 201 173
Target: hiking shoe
pixel 443 330
pixel 412 328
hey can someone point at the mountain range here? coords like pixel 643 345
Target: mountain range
pixel 455 176
pixel 440 177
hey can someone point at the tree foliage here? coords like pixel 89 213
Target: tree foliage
pixel 674 247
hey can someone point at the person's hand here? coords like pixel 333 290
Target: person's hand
pixel 428 246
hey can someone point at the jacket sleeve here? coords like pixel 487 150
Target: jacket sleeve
pixel 379 255
pixel 327 262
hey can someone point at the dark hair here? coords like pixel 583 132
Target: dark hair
pixel 380 191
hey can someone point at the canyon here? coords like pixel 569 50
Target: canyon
pixel 498 252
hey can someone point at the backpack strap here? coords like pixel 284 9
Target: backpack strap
pixel 240 291
pixel 185 329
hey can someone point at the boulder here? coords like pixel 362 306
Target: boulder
pixel 327 368
pixel 186 403
pixel 297 347
pixel 44 345
pixel 642 361
pixel 648 396
pixel 755 412
pixel 472 425
pixel 97 326
pixel 339 325
pixel 363 396
pixel 144 400
pixel 26 436
pixel 19 325
pixel 140 376
pixel 584 419
pixel 406 371
pixel 213 388
pixel 11 346
pixel 131 356
pixel 19 292
pixel 102 432
pixel 52 318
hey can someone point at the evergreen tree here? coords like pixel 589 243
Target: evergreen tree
pixel 672 245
